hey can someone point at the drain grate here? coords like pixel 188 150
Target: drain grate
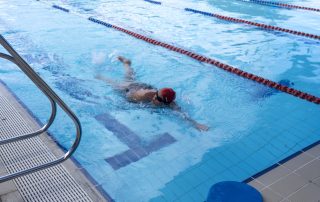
pixel 52 184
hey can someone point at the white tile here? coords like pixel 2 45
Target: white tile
pixel 310 171
pixel 298 161
pixel 314 151
pixel 274 175
pixel 270 196
pixel 288 185
pixel 317 181
pixel 308 193
pixel 256 184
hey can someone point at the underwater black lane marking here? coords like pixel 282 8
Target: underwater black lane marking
pixel 137 148
pixel 229 68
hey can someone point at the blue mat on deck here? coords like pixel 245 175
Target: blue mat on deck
pixel 230 191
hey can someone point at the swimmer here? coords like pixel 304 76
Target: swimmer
pixel 144 93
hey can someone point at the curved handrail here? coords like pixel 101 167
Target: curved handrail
pixel 44 87
pixel 45 127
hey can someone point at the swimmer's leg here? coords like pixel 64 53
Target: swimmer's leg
pixel 129 75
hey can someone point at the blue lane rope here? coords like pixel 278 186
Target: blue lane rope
pixel 197 11
pixel 99 22
pixel 153 2
pixel 60 8
pixel 271 4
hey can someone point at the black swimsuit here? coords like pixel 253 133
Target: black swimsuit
pixel 137 86
pixel 134 87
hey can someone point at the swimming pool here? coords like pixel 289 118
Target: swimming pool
pixel 165 159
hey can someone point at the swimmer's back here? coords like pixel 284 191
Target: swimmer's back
pixel 139 92
pixel 138 86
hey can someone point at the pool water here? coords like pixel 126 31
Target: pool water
pixel 138 153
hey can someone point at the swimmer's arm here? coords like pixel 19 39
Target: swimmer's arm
pixel 186 117
pixel 105 79
pixel 111 82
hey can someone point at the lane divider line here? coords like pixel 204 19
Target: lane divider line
pixel 260 25
pixel 228 68
pixel 153 2
pixel 283 5
pixel 60 8
pixel 256 24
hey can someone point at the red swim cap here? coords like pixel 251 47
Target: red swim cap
pixel 168 94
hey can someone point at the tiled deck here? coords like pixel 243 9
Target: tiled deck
pixel 63 182
pixel 296 180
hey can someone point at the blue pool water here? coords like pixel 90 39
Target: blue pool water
pixel 145 154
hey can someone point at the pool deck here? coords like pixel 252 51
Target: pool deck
pixel 295 180
pixel 63 182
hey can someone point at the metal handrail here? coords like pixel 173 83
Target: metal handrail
pixel 45 127
pixel 53 98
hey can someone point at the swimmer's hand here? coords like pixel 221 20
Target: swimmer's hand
pixel 124 60
pixel 201 127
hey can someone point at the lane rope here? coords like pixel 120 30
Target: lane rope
pixel 226 67
pixel 278 4
pixel 260 25
pixel 154 2
pixel 60 8
pixel 256 24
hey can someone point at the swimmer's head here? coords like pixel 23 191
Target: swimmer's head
pixel 165 95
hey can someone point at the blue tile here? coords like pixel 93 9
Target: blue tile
pixel 198 174
pixel 167 195
pixel 114 163
pixel 132 156
pixel 183 185
pixel 140 152
pixel 202 193
pixel 162 141
pixel 159 199
pixel 233 155
pixel 213 168
pixel 124 134
pixel 189 197
pixel 137 153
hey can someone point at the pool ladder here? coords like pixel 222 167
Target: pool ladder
pixel 54 99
